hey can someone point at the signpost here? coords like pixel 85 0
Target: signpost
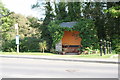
pixel 17 42
pixel 17 37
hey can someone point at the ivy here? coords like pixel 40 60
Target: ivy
pixel 56 32
pixel 88 33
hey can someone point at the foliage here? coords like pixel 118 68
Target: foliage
pixel 89 50
pixel 105 25
pixel 25 26
pixel 34 22
pixel 84 26
pixel 116 43
pixel 7 26
pixel 43 46
pixel 74 11
pixel 56 32
pixel 117 48
pixel 27 44
pixel 5 21
pixel 45 34
pixel 114 11
pixel 9 46
pixel 112 26
pixel 28 33
pixel 60 10
pixel 87 32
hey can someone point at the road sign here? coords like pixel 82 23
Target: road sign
pixel 17 39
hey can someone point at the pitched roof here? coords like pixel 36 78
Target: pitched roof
pixel 68 24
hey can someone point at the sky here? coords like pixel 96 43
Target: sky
pixel 23 7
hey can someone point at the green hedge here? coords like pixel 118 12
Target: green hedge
pixel 28 44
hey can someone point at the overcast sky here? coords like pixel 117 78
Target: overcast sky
pixel 22 7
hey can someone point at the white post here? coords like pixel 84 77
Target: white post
pixel 17 37
pixel 17 48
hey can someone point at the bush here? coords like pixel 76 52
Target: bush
pixel 9 46
pixel 116 43
pixel 117 48
pixel 43 46
pixel 28 44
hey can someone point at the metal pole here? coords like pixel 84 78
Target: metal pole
pixel 100 50
pixel 104 47
pixel 101 47
pixel 110 48
pixel 107 47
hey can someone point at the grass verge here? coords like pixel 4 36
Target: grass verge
pixel 25 53
pixel 62 56
pixel 88 56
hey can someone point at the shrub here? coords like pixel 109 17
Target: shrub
pixel 9 46
pixel 28 44
pixel 43 46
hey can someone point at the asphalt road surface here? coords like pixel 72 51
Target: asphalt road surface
pixel 36 68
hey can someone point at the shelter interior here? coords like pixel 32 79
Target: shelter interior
pixel 71 41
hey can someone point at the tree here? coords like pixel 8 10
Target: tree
pixel 94 11
pixel 56 32
pixel 88 33
pixel 113 14
pixel 49 15
pixel 34 22
pixel 74 11
pixel 106 25
pixel 26 28
pixel 3 11
pixel 6 23
pixel 27 31
pixel 67 11
pixel 5 20
pixel 43 46
pixel 114 11
pixel 60 11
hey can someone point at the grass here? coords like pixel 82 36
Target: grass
pixel 87 56
pixel 62 56
pixel 25 53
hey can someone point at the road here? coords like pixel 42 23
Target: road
pixel 36 68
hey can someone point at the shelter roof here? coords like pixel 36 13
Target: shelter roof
pixel 68 24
